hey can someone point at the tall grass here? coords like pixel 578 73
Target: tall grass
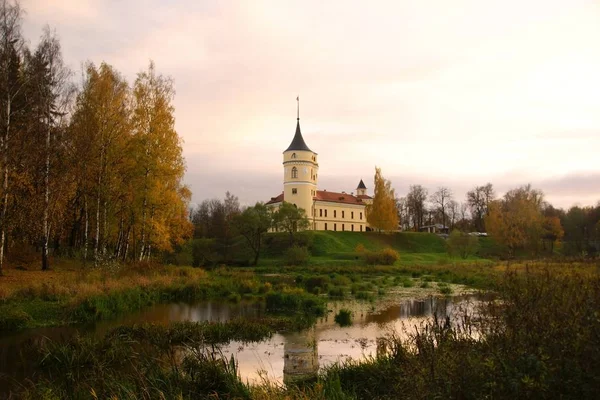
pixel 541 340
pixel 182 361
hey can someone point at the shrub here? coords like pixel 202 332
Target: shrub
pixel 361 287
pixel 203 252
pixel 446 290
pixel 316 282
pixel 363 296
pixel 408 283
pixel 462 244
pixel 297 302
pixel 337 292
pixel 340 280
pixel 344 317
pixel 266 287
pixel 13 320
pixel 387 256
pixel 234 298
pixel 296 255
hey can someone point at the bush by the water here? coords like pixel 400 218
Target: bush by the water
pixel 13 320
pixel 343 317
pixel 296 255
pixel 295 302
pixel 387 256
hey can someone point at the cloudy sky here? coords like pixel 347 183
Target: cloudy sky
pixel 435 92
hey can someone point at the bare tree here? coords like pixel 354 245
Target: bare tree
pixel 453 212
pixel 416 198
pixel 440 200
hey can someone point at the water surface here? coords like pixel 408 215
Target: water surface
pixel 283 357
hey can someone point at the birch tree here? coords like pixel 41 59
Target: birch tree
pixel 10 87
pixel 159 162
pixel 49 91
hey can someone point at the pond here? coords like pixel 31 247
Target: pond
pixel 282 358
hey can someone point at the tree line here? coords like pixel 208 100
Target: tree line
pixel 93 169
pixel 520 220
pixel 219 225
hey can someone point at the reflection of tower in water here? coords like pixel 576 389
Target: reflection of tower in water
pixel 300 356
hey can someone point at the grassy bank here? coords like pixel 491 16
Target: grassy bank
pixel 73 294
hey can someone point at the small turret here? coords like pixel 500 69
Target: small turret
pixel 361 189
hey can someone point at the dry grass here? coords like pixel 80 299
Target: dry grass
pixel 74 282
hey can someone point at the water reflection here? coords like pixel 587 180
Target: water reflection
pixel 301 357
pixel 284 357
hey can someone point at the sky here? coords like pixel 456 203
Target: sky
pixel 435 92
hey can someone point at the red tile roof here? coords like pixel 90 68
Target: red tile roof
pixel 335 197
pixel 277 199
pixel 332 197
pixel 364 196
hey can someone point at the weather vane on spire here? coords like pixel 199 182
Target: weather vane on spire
pixel 298 100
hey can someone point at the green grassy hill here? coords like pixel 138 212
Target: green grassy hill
pixel 339 248
pixel 328 247
pixel 325 243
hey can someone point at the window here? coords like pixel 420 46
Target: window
pixel 352 215
pixel 293 155
pixel 294 191
pixel 325 225
pixel 361 216
pixel 321 213
pixel 361 228
pixel 294 172
pixel 334 214
pixel 325 213
pixel 343 227
pixel 342 214
pixel 352 227
pixel 335 227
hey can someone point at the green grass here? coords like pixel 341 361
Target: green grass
pixel 338 249
pixel 334 243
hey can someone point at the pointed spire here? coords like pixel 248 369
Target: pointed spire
pixel 298 142
pixel 361 185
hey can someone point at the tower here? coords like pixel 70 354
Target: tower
pixel 300 169
pixel 361 190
